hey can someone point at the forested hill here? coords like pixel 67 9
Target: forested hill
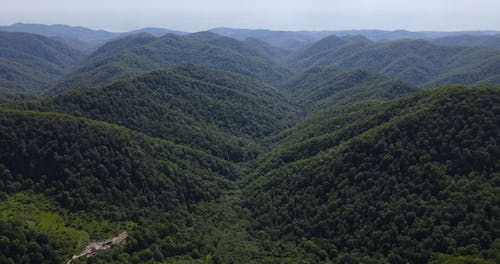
pixel 208 109
pixel 81 38
pixel 492 41
pixel 209 149
pixel 321 87
pixel 7 96
pixel 29 61
pixel 84 177
pixel 338 103
pixel 416 61
pixel 421 183
pixel 36 64
pixel 140 54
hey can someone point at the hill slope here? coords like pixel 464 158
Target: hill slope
pixel 205 108
pixel 29 61
pixel 415 61
pixel 322 87
pixel 423 182
pixel 138 54
pixel 290 40
pixel 336 103
pixel 470 40
pixel 90 179
pixel 80 38
pixel 8 96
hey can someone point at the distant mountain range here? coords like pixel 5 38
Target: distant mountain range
pixel 89 39
pixel 298 39
pixel 141 53
pixel 81 38
pixel 417 61
pixel 44 66
pixel 29 61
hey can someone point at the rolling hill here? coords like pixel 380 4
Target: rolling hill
pixel 419 185
pixel 67 180
pixel 81 38
pixel 141 53
pixel 322 87
pixel 9 96
pixel 294 40
pixel 335 104
pixel 490 41
pixel 290 40
pixel 28 62
pixel 249 146
pixel 416 61
pixel 208 109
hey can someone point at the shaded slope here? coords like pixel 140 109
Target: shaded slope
pixel 424 181
pixel 205 108
pixel 29 61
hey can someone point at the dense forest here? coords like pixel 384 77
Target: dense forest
pixel 28 61
pixel 417 61
pixel 125 57
pixel 249 146
pixel 204 108
pixel 421 182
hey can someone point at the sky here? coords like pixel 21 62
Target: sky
pixel 192 15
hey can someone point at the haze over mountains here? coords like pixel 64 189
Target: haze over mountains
pixel 89 39
pixel 249 146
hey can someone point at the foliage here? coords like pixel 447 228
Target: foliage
pixel 416 61
pixel 321 87
pixel 122 58
pixel 88 165
pixel 212 166
pixel 423 182
pixel 8 96
pixel 207 109
pixel 28 61
pixel 470 40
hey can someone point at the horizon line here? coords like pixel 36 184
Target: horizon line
pixel 254 29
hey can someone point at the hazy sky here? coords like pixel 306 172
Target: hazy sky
pixel 191 15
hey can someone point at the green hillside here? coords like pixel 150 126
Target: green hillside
pixel 269 147
pixel 208 109
pixel 321 87
pixel 423 182
pixel 336 103
pixel 140 53
pixel 266 50
pixel 8 96
pixel 98 172
pixel 329 44
pixel 28 62
pixel 416 61
pixel 490 41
